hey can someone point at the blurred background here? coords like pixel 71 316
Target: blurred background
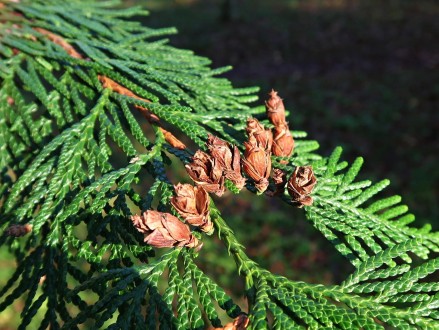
pixel 363 74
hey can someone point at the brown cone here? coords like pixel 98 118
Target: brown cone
pixel 192 204
pixel 206 172
pixel 301 184
pixel 257 164
pixel 228 158
pixel 283 142
pixel 163 230
pixel 275 109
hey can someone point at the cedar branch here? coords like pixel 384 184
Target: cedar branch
pixel 115 87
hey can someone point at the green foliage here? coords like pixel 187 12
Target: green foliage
pixel 72 153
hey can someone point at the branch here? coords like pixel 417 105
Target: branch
pixel 115 87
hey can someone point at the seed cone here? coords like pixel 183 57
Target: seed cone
pixel 228 158
pixel 301 184
pixel 163 230
pixel 258 135
pixel 192 204
pixel 275 109
pixel 18 230
pixel 257 164
pixel 283 143
pixel 207 172
pixel 280 180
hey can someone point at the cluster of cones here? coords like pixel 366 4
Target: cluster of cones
pixel 208 171
pixel 222 161
pixel 263 142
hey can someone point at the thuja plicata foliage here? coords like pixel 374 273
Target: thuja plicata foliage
pixel 91 103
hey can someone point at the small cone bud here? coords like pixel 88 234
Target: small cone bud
pixel 18 230
pixel 301 184
pixel 163 230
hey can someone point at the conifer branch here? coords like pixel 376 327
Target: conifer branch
pixel 72 153
pixel 115 87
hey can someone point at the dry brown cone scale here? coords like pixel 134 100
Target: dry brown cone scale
pixel 258 135
pixel 280 180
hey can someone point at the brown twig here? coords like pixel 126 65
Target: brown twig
pixel 115 87
pixel 152 118
pixel 56 39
